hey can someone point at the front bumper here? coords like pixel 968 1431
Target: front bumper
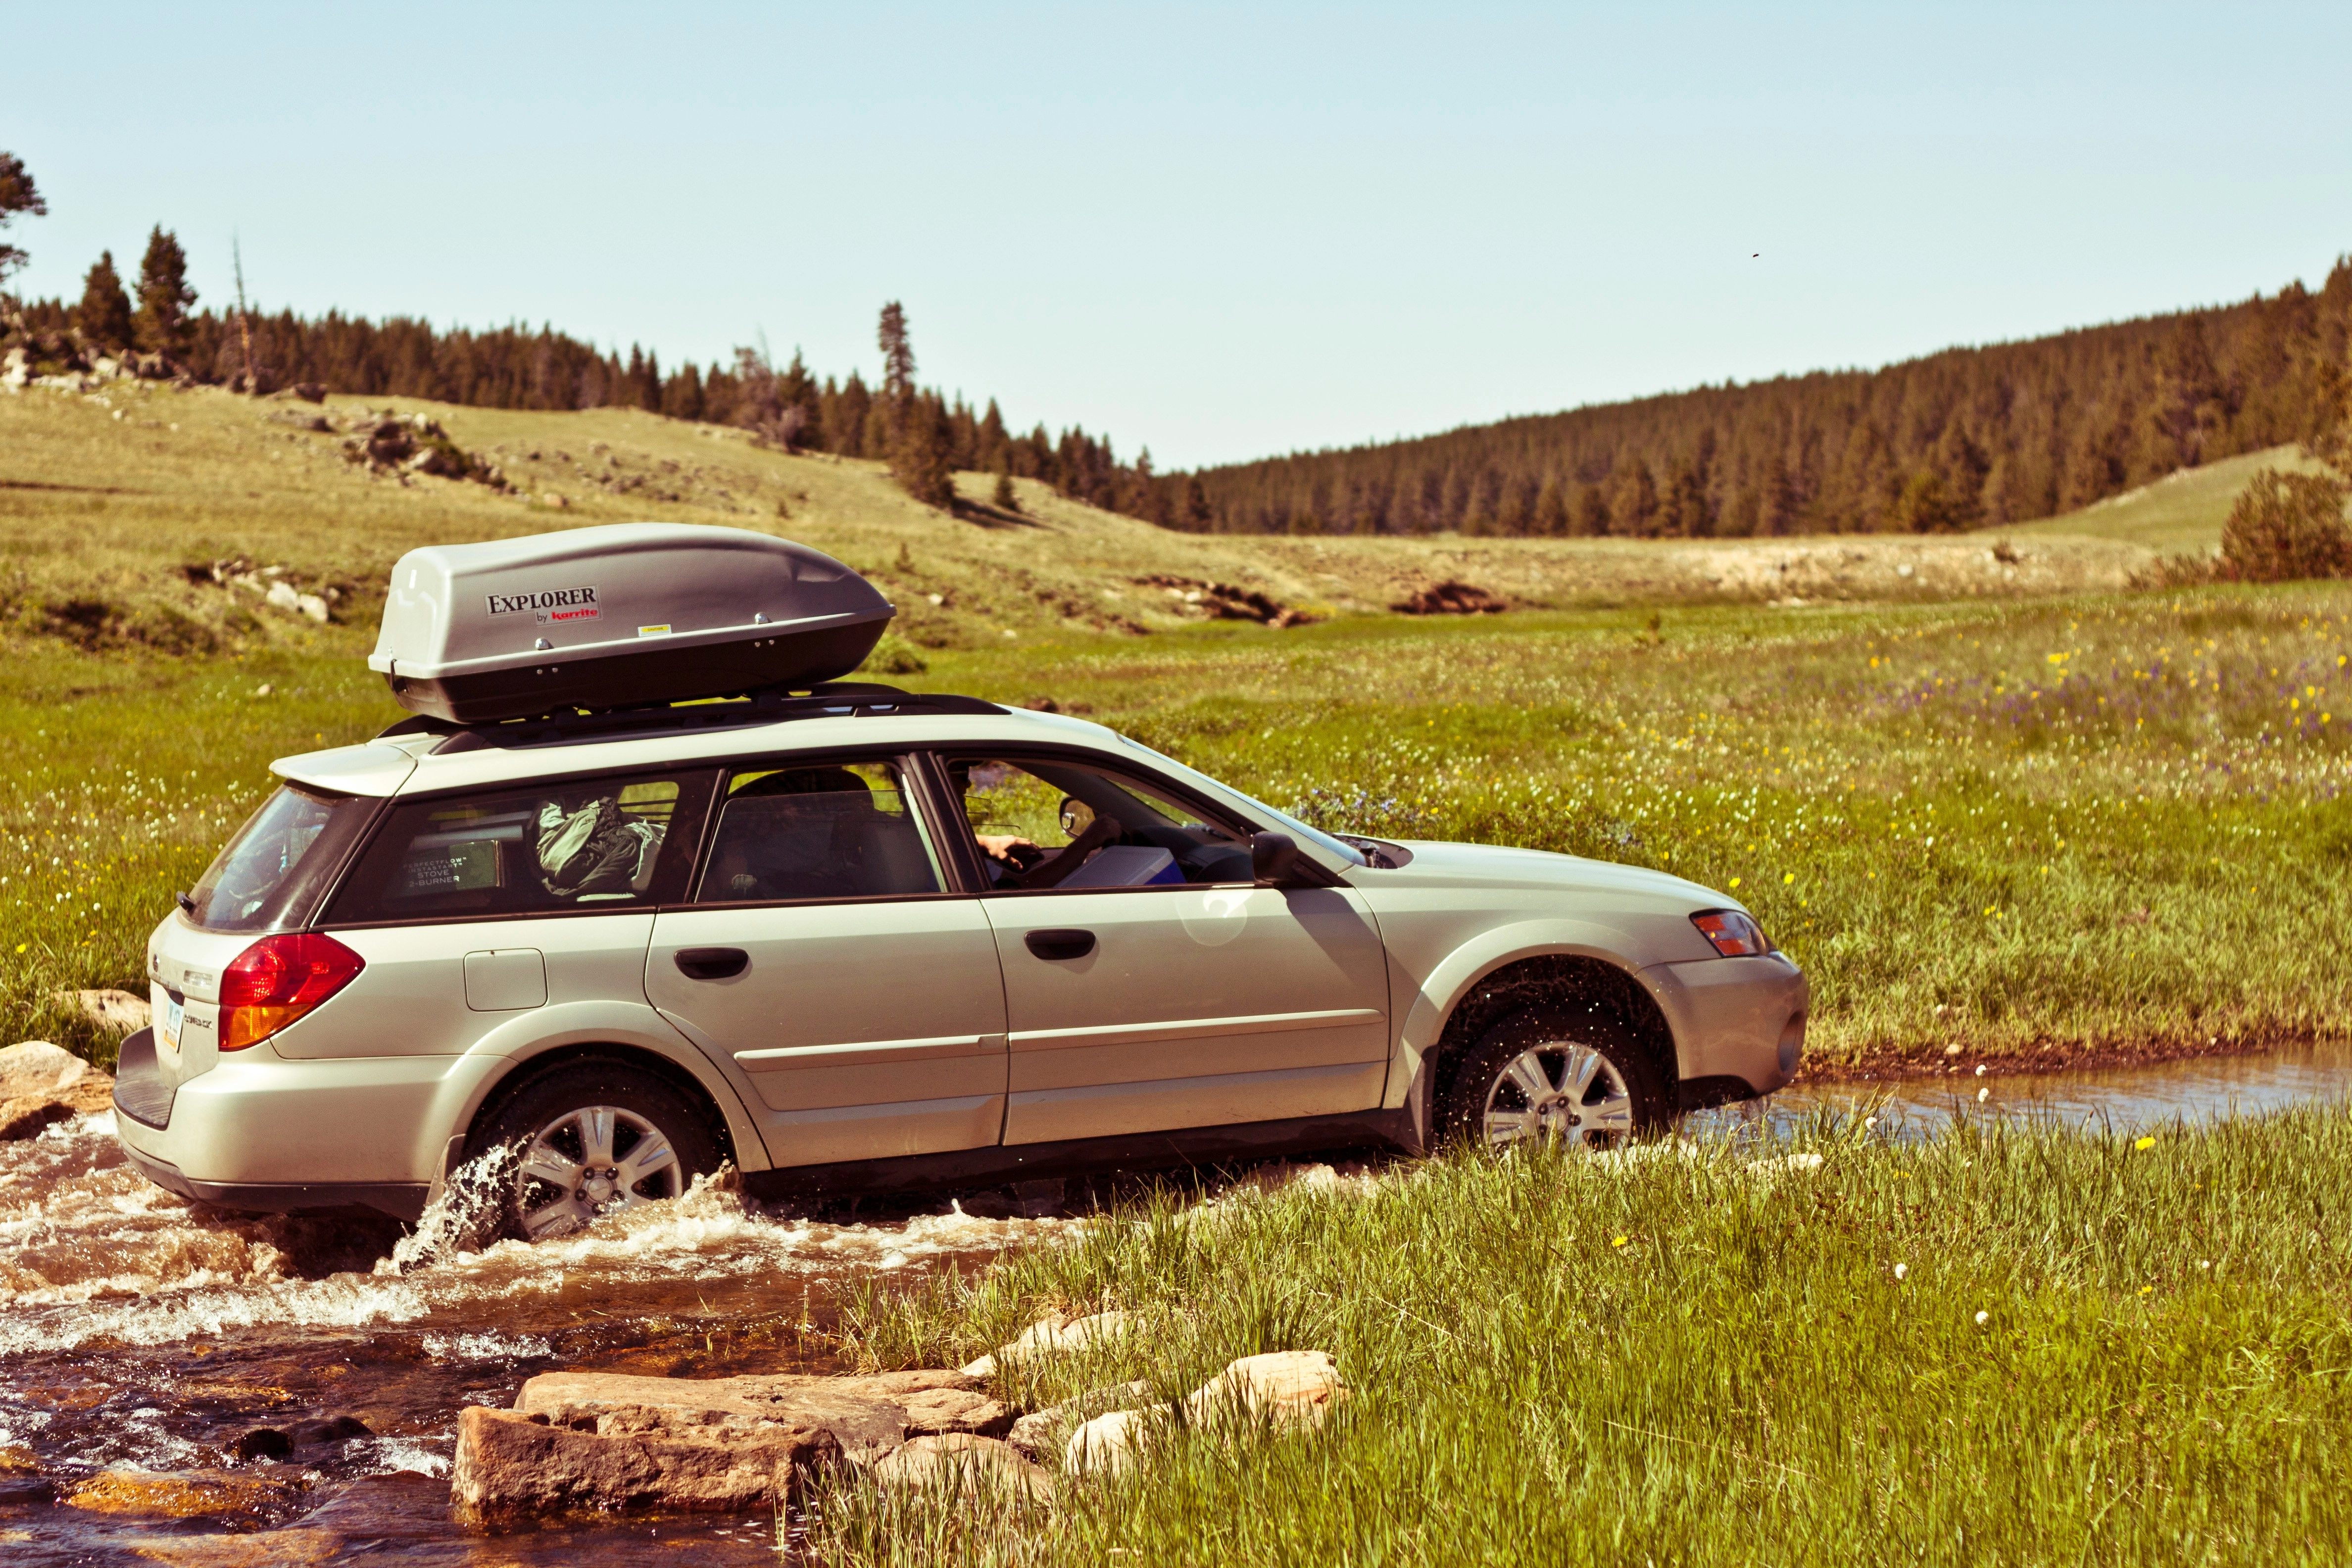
pixel 1738 1023
pixel 266 1132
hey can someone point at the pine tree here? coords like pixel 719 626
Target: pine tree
pixel 1635 509
pixel 1551 509
pixel 164 296
pixel 897 353
pixel 1005 498
pixel 104 315
pixel 1591 518
pixel 1198 516
pixel 19 197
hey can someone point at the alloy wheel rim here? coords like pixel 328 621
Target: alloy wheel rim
pixel 1558 1091
pixel 590 1162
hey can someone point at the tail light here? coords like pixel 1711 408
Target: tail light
pixel 277 980
pixel 1735 936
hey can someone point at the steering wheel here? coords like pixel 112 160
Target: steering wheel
pixel 1051 871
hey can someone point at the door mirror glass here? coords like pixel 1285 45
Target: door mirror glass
pixel 1076 815
pixel 1273 858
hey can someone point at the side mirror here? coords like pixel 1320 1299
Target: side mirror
pixel 1273 858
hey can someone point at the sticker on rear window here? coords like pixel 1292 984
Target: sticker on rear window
pixel 547 607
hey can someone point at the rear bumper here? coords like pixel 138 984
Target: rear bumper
pixel 265 1132
pixel 1737 1021
pixel 402 1200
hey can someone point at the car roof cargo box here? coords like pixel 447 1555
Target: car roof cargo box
pixel 618 616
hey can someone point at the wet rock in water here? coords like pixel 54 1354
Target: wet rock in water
pixel 27 1115
pixel 186 1494
pixel 607 1441
pixel 510 1463
pixel 1048 1336
pixel 967 1463
pixel 301 1547
pixel 327 1429
pixel 26 1491
pixel 21 1481
pixel 1292 1388
pixel 264 1443
pixel 1042 1432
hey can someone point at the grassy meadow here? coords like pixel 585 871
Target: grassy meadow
pixel 2009 1345
pixel 2036 817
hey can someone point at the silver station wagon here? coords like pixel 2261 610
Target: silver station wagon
pixel 850 939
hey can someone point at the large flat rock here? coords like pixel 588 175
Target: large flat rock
pixel 586 1440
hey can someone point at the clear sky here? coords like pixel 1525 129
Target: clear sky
pixel 1221 231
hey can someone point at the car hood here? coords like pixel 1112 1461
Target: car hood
pixel 1473 866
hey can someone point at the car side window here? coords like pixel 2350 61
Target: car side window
pixel 574 845
pixel 1041 824
pixel 834 830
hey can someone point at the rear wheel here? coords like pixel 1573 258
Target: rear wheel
pixel 1541 1077
pixel 593 1139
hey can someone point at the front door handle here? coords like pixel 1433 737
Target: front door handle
pixel 1051 944
pixel 712 962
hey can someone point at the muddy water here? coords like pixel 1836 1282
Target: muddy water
pixel 140 1338
pixel 145 1336
pixel 2195 1090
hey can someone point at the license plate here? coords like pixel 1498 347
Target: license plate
pixel 167 1028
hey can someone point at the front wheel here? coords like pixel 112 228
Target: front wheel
pixel 1538 1077
pixel 593 1139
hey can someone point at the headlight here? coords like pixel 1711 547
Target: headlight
pixel 1735 936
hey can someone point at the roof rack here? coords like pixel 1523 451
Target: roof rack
pixel 775 705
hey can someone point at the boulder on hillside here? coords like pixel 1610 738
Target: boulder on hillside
pixel 1451 597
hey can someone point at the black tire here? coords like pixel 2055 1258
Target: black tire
pixel 1626 1096
pixel 552 1120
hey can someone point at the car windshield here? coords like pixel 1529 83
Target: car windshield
pixel 283 852
pixel 1347 853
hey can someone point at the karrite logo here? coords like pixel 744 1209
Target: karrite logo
pixel 554 605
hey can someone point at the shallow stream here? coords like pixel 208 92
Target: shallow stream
pixel 143 1336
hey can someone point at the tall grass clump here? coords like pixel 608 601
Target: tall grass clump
pixel 2012 1344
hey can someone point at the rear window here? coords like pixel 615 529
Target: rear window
pixel 273 871
pixel 581 845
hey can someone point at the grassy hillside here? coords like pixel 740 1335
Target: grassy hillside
pixel 2181 513
pixel 105 499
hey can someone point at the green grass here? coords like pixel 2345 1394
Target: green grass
pixel 2097 1352
pixel 2181 513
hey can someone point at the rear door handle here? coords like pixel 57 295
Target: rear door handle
pixel 1051 944
pixel 712 962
